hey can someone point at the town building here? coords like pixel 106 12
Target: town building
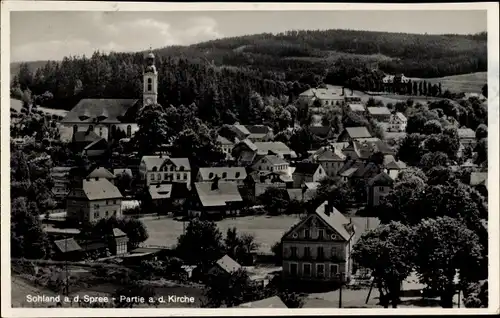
pixel 232 174
pixel 111 119
pixel 160 169
pixel 318 248
pixel 271 163
pixel 378 187
pixel 260 133
pixel 330 159
pixel 92 199
pixel 101 173
pixel 61 178
pixel 119 242
pixel 322 132
pixel 467 137
pixel 351 134
pixel 259 181
pixel 215 199
pixel 382 114
pixel 307 172
pixel 357 108
pixel 225 266
pixel 247 152
pixel 227 146
pixel 325 96
pixel 397 123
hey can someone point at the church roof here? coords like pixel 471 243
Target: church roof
pixel 107 111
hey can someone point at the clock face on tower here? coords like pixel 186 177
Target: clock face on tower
pixel 149 101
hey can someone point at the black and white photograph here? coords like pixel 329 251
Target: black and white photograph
pixel 178 157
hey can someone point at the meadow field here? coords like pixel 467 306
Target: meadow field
pixel 467 83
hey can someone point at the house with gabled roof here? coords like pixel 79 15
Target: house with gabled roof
pixel 67 249
pixel 257 182
pixel 318 247
pixel 331 159
pixel 357 108
pixel 378 187
pixel 271 163
pixel 397 122
pixel 93 199
pixel 226 145
pixel 215 199
pixel 101 172
pixel 382 114
pixel 160 169
pixel 232 174
pixel 467 137
pixel 307 172
pixel 260 133
pixel 225 265
pixel 354 133
pixel 322 132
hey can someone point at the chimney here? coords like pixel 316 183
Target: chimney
pixel 352 92
pixel 328 209
pixel 161 154
pixel 342 90
pixel 215 184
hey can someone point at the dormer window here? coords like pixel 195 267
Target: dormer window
pixel 155 169
pixel 237 174
pixel 210 175
pixel 181 168
pixel 306 233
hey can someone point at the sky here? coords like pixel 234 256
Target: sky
pixel 51 35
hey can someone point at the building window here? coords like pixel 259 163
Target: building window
pixel 96 215
pixel 100 131
pixel 107 213
pixel 237 174
pixel 293 251
pixel 159 176
pixel 321 234
pixel 381 189
pixel 307 269
pixel 210 175
pixel 320 270
pixel 129 131
pixel 114 212
pixel 334 269
pixel 165 176
pixel 224 175
pixel 307 251
pixel 172 168
pixel 185 176
pixel 181 168
pixel 321 253
pixel 91 128
pixel 293 269
pixel 75 129
pixel 107 202
pixel 334 251
pixel 96 206
pixel 152 176
pixel 306 233
pixel 154 169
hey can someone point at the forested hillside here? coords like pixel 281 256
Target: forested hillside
pixel 229 78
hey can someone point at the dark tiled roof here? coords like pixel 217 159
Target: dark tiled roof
pixel 306 167
pixel 381 179
pixel 275 160
pixel 258 129
pixel 320 131
pixel 99 110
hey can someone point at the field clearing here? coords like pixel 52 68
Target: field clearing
pixel 467 83
pixel 267 230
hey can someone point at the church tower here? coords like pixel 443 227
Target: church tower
pixel 150 78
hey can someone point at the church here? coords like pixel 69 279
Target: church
pixel 111 119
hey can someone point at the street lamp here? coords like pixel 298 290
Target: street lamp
pixel 341 280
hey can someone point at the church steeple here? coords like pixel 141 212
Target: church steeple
pixel 150 78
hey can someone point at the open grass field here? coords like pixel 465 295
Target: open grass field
pixel 267 230
pixel 467 83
